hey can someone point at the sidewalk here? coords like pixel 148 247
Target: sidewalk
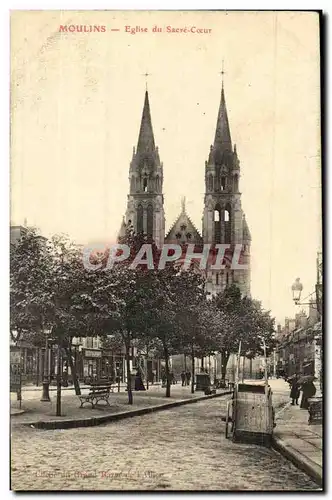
pixel 37 412
pixel 300 442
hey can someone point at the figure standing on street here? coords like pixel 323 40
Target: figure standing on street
pixel 188 377
pixel 139 386
pixel 183 378
pixel 295 391
pixel 308 391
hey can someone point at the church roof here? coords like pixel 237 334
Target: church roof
pixel 183 229
pixel 222 139
pixel 146 139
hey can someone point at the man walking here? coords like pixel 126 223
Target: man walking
pixel 183 378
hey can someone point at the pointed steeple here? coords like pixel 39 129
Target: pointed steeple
pixel 222 140
pixel 146 139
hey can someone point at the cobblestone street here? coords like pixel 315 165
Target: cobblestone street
pixel 183 448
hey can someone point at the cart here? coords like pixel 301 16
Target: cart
pixel 251 413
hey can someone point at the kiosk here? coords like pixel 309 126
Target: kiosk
pixel 251 412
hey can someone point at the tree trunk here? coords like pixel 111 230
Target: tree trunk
pixel 202 363
pixel 130 392
pixel 192 372
pixel 185 363
pixel 168 379
pixel 224 361
pixel 147 371
pixel 243 364
pixel 58 385
pixel 73 371
pixel 250 367
pixel 37 366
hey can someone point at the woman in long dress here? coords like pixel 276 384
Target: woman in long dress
pixel 308 391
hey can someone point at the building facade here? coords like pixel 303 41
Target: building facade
pixel 299 345
pixel 223 220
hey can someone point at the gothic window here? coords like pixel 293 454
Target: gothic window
pixel 227 279
pixel 217 279
pixel 236 183
pixel 210 182
pixel 227 220
pixel 139 219
pixel 149 220
pixel 217 224
pixel 145 184
pixel 223 184
pixel 132 184
pixel 188 235
pixel 178 235
pixel 217 179
pixel 157 184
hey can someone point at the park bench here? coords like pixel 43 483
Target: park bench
pixel 98 392
pixel 315 410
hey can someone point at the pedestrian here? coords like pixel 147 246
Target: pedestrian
pixel 308 391
pixel 295 390
pixel 139 386
pixel 183 378
pixel 188 377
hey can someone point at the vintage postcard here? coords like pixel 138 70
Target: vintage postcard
pixel 166 251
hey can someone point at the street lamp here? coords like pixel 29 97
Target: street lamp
pixel 46 374
pixel 297 288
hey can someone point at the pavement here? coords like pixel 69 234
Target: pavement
pixel 181 449
pixel 300 442
pixel 42 414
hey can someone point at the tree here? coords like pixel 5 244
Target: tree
pixel 30 278
pixel 196 318
pixel 245 321
pixel 118 299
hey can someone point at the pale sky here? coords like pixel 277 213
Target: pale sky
pixel 77 100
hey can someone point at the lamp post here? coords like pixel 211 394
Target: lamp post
pixel 297 288
pixel 46 377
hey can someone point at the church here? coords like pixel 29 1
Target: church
pixel 223 220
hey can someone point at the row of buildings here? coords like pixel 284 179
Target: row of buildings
pixel 300 339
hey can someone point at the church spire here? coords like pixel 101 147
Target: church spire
pixel 222 140
pixel 146 139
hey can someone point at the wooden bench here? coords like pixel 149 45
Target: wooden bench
pixel 98 392
pixel 315 410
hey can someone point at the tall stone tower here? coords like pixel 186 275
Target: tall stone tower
pixel 223 218
pixel 145 205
